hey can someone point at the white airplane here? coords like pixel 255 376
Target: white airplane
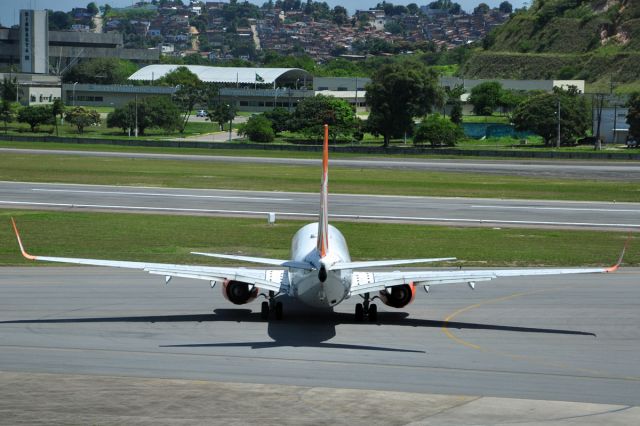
pixel 320 272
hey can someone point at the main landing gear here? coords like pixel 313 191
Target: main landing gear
pixel 366 308
pixel 271 306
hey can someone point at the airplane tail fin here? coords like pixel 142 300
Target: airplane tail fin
pixel 323 219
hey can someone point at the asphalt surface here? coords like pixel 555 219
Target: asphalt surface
pixel 454 211
pixel 611 170
pixel 545 338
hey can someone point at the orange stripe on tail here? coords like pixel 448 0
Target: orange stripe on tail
pixel 323 219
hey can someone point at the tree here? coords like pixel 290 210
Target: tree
pixel 35 116
pixel 60 21
pixel 7 112
pixel 123 117
pixel 9 88
pixel 633 116
pixel 92 8
pixel 505 7
pixel 481 9
pixel 413 8
pixel 257 129
pixel 279 118
pixel 101 71
pixel 453 95
pixel 539 114
pixel 82 117
pixel 398 93
pixel 155 111
pixel 314 112
pixel 191 91
pixel 456 112
pixel 106 9
pixel 438 131
pixel 223 113
pixel 485 97
pixel 57 109
pixel 340 15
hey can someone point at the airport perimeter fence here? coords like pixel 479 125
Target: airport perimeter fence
pixel 356 149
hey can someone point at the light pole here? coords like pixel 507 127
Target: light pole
pixel 74 93
pixel 230 120
pixel 136 130
pixel 558 142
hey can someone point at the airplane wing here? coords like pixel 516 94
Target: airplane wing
pixel 273 280
pixel 366 282
pixel 380 263
pixel 261 260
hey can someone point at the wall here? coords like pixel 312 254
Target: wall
pixel 631 154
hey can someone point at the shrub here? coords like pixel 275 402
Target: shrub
pixel 257 129
pixel 438 131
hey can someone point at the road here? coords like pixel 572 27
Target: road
pixel 612 170
pixel 104 332
pixel 369 208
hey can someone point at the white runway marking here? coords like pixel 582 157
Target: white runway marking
pixel 558 208
pixel 161 194
pixel 335 216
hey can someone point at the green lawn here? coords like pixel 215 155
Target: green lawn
pixel 247 176
pixel 160 238
pixel 102 131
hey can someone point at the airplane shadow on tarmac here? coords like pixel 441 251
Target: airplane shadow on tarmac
pixel 301 326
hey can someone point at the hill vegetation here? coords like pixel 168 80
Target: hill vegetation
pixel 594 40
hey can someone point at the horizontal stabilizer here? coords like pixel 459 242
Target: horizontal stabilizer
pixel 379 263
pixel 260 260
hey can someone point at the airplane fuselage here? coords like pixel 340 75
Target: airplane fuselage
pixel 306 285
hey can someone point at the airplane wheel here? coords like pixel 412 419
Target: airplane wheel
pixel 373 312
pixel 264 311
pixel 279 311
pixel 359 312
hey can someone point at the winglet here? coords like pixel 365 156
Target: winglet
pixel 24 253
pixel 624 249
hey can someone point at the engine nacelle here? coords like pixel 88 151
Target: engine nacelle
pixel 238 292
pixel 398 296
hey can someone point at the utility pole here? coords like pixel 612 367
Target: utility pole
pixel 74 93
pixel 558 142
pixel 136 129
pixel 230 120
pixel 599 105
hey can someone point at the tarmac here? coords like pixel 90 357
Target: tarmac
pixel 102 346
pixel 364 208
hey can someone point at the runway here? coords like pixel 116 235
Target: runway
pixel 372 208
pixel 565 339
pixel 595 170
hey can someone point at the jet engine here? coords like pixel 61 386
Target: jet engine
pixel 398 296
pixel 238 292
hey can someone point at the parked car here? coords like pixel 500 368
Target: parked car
pixel 632 142
pixel 201 113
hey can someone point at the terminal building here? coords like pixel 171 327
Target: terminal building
pixel 262 89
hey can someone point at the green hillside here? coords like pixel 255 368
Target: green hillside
pixel 594 40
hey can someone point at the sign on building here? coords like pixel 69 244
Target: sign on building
pixel 34 41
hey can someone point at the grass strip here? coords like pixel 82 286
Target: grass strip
pixel 277 177
pixel 160 238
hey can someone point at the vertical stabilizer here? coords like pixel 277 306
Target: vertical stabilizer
pixel 323 219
